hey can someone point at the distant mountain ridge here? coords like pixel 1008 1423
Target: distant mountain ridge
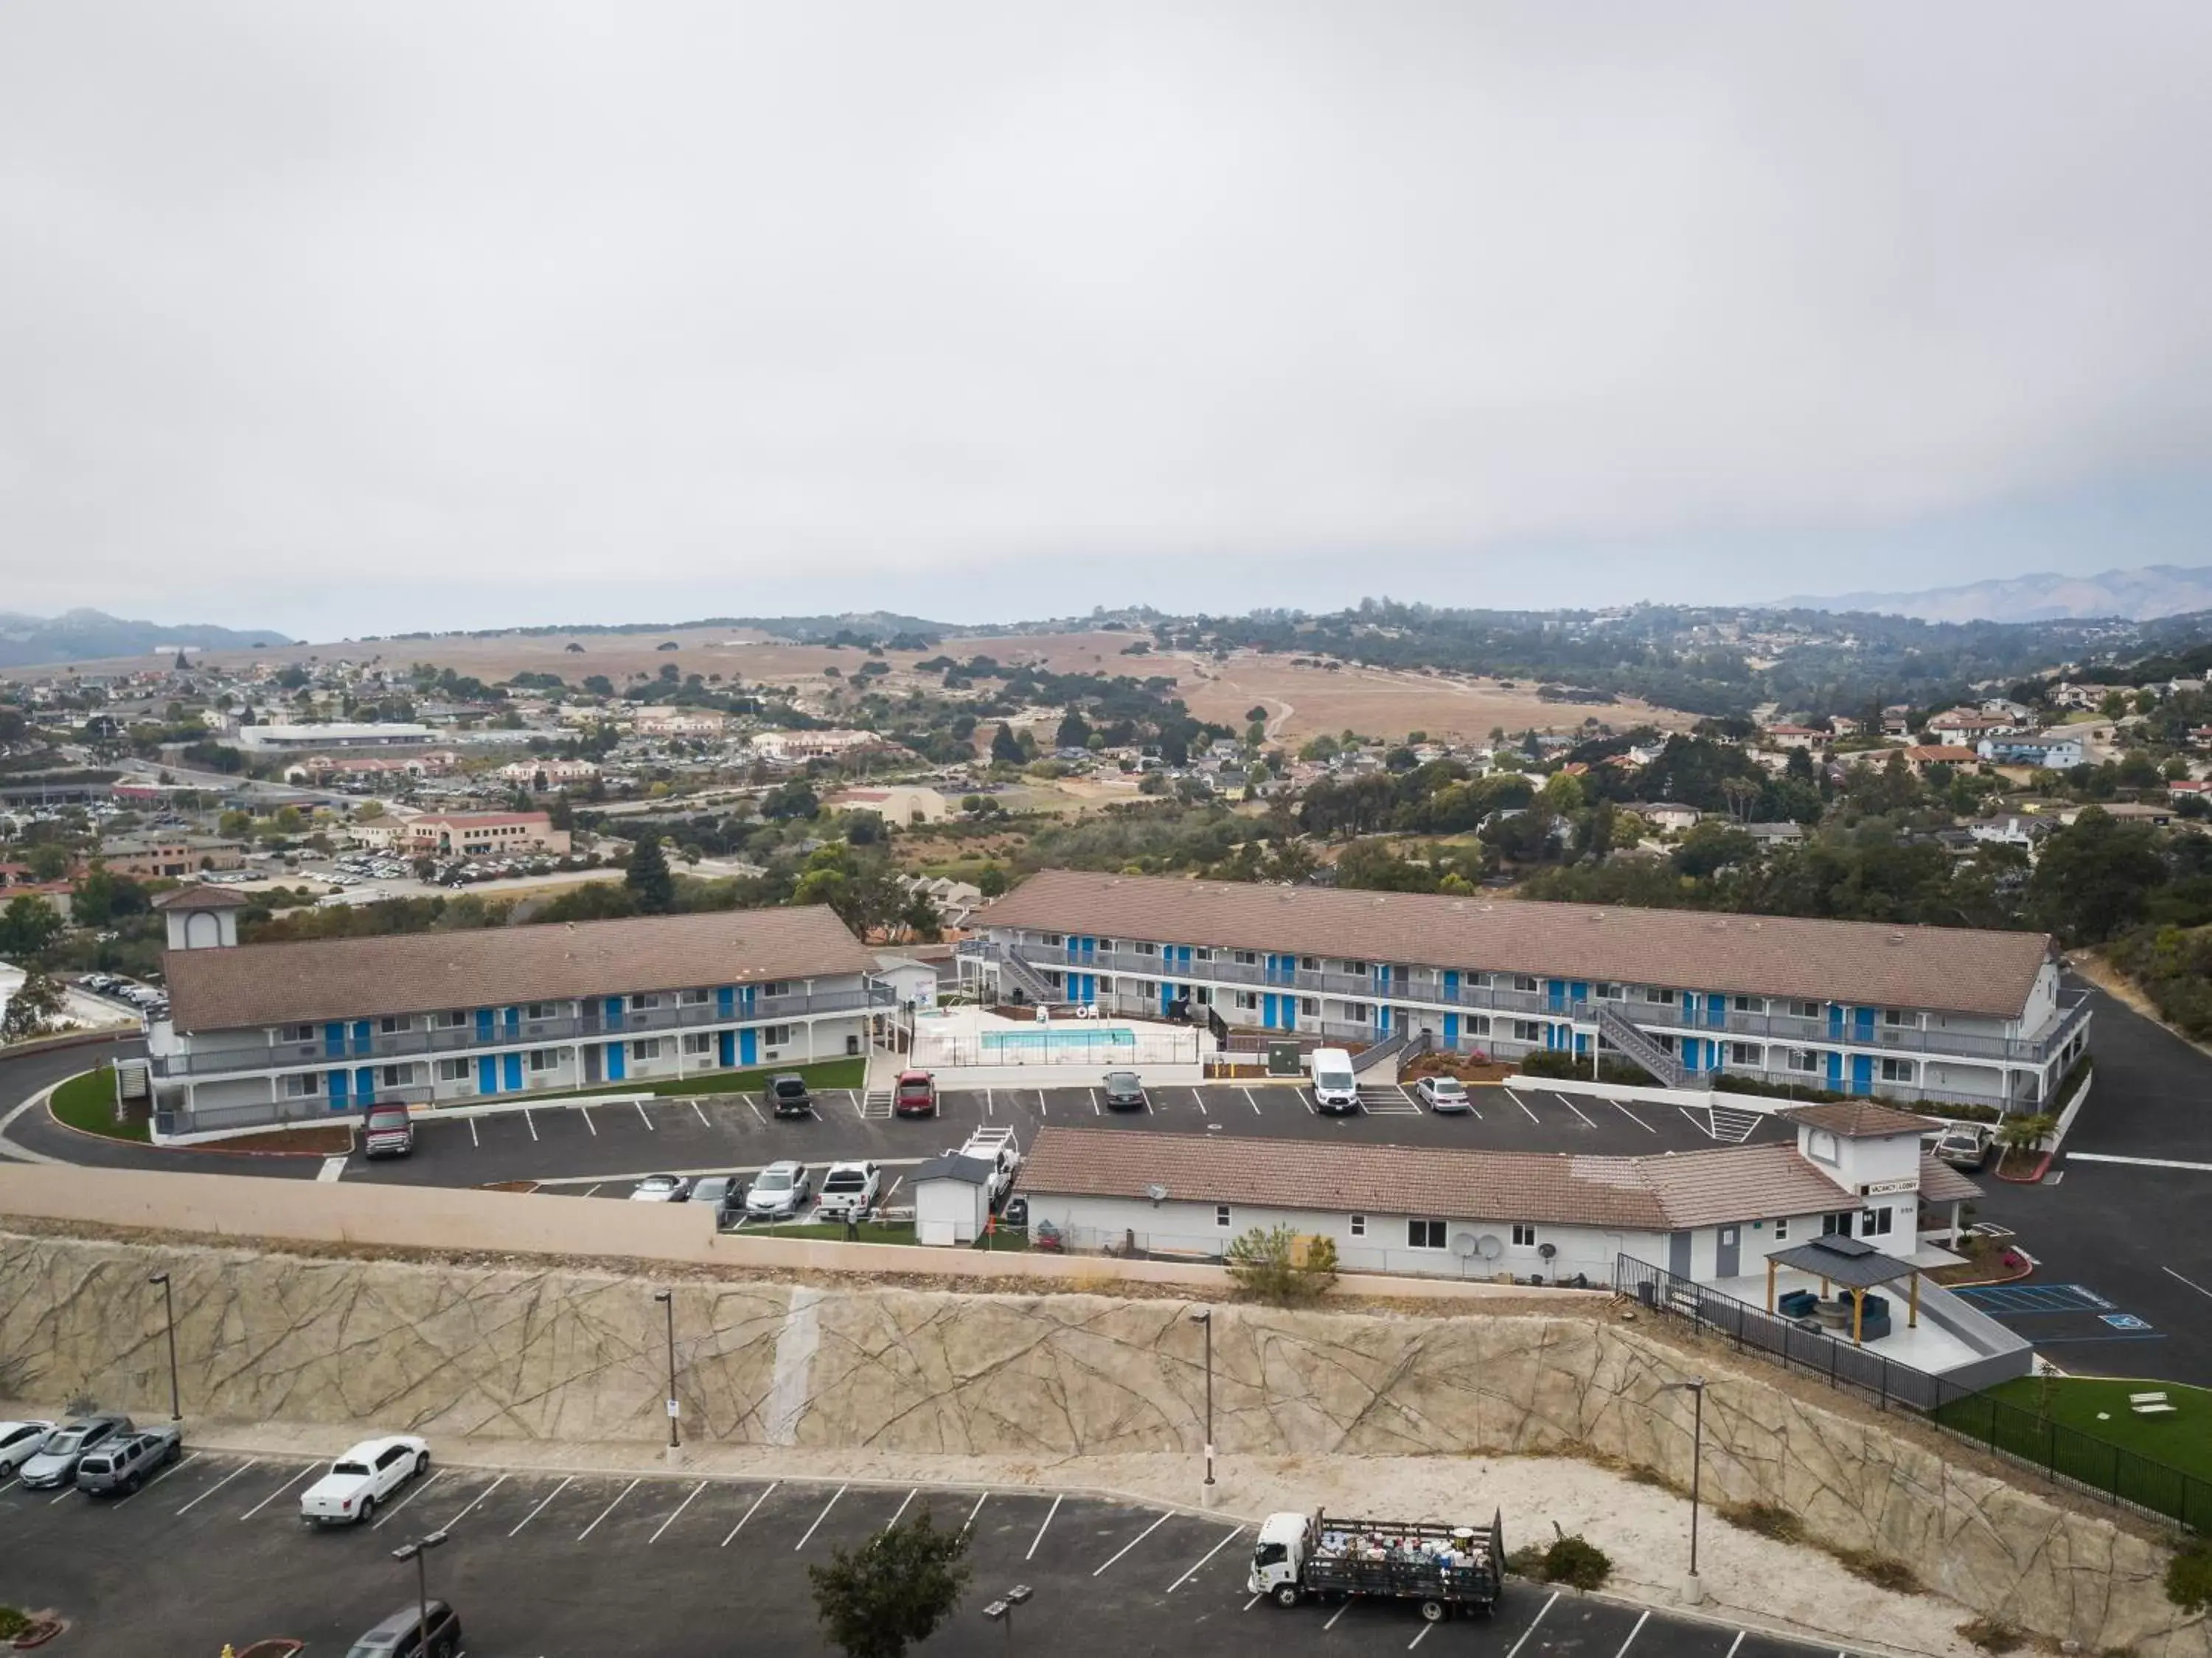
pixel 78 636
pixel 2136 595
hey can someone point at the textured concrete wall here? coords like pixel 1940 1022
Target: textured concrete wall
pixel 559 1354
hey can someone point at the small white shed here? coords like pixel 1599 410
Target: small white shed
pixel 951 1199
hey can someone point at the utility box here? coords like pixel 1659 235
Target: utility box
pixel 1283 1059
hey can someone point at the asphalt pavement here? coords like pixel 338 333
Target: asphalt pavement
pixel 540 1564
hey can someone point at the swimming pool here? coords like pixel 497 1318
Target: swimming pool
pixel 1108 1039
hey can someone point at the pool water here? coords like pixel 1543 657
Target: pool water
pixel 1056 1041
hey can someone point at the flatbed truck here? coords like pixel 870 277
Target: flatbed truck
pixel 1443 1568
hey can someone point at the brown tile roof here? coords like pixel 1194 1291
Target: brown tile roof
pixel 201 897
pixel 1650 1194
pixel 498 967
pixel 1942 1184
pixel 1859 1119
pixel 1859 964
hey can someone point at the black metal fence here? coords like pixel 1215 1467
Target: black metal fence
pixel 2064 1455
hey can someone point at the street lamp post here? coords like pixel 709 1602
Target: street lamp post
pixel 1203 1318
pixel 1696 1388
pixel 1002 1611
pixel 417 1552
pixel 668 1301
pixel 169 1317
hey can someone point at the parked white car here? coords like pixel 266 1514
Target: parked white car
pixel 848 1189
pixel 1444 1094
pixel 362 1478
pixel 20 1442
pixel 779 1190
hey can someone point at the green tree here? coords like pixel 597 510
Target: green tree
pixel 1282 1265
pixel 1074 732
pixel 991 879
pixel 920 917
pixel 895 1590
pixel 1006 748
pixel 28 927
pixel 648 877
pixel 48 861
pixel 2094 878
pixel 32 1011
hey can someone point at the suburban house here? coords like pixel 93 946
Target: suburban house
pixel 2011 830
pixel 1921 756
pixel 486 834
pixel 2039 749
pixel 262 1033
pixel 1862 1007
pixel 1966 730
pixel 1670 815
pixel 790 746
pixel 1797 736
pixel 1855 1170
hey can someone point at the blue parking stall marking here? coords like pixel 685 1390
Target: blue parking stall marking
pixel 2122 1321
pixel 2035 1298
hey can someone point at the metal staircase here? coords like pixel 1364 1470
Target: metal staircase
pixel 1640 1045
pixel 1014 972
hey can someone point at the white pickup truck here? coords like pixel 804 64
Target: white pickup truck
pixel 363 1477
pixel 996 1146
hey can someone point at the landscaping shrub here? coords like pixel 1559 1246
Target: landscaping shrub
pixel 1767 1519
pixel 13 1624
pixel 1992 1637
pixel 1283 1265
pixel 1574 1561
pixel 1880 1570
pixel 2189 1578
pixel 1560 1065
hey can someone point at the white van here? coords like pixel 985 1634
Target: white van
pixel 1334 1090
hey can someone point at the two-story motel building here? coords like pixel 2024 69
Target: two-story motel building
pixel 268 1033
pixel 1947 1013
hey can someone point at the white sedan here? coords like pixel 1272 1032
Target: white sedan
pixel 363 1477
pixel 1444 1094
pixel 20 1442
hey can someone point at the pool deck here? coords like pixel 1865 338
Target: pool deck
pixel 982 1049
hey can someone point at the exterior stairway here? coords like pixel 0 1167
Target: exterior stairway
pixel 1632 1040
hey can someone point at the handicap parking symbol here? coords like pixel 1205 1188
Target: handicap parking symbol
pixel 2122 1321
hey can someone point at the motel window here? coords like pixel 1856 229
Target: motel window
pixel 1053 941
pixel 1528 1030
pixel 540 1010
pixel 1524 981
pixel 1203 952
pixel 1309 1006
pixel 1896 1070
pixel 1358 1011
pixel 1836 1225
pixel 1748 1003
pixel 1475 981
pixel 1781 1230
pixel 699 1042
pixel 1148 949
pixel 1659 993
pixel 1804 1059
pixel 398 1076
pixel 1476 1024
pixel 776 987
pixel 452 1020
pixel 1895 1016
pixel 1105 943
pixel 1310 964
pixel 1247 999
pixel 645 1047
pixel 392 1024
pixel 453 1070
pixel 776 1035
pixel 301 1084
pixel 1424 1235
pixel 1246 958
pixel 1744 1053
pixel 1359 1226
pixel 692 999
pixel 1359 968
pixel 643 1002
pixel 1221 1214
pixel 298 1032
pixel 1805 1009
pixel 542 1059
pixel 1524 1235
pixel 1875 1222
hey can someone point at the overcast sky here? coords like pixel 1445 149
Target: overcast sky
pixel 349 318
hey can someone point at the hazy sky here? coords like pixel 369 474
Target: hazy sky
pixel 347 318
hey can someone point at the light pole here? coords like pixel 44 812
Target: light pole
pixel 1696 1387
pixel 667 1299
pixel 1203 1318
pixel 1002 1611
pixel 169 1317
pixel 416 1551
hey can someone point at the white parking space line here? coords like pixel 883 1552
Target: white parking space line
pixel 1132 1543
pixel 472 1509
pixel 1250 1100
pixel 586 1113
pixel 1094 1102
pixel 1338 1613
pixel 217 1486
pixel 898 1182
pixel 1564 1100
pixel 590 1190
pixel 696 1111
pixel 853 1096
pixel 1253 1602
pixel 754 1510
pixel 1198 1098
pixel 895 1518
pixel 474 1139
pixel 188 1457
pixel 1639 1122
pixel 1523 1104
pixel 542 1502
pixel 1203 1558
pixel 1738 1641
pixel 311 1468
pixel 608 1510
pixel 988 1105
pixel 385 1518
pixel 2192 1283
pixel 973 1512
pixel 331 1170
pixel 1422 1637
pixel 753 1105
pixel 1042 1110
pixel 641 1117
pixel 64 1496
pixel 818 1518
pixel 2136 1162
pixel 678 1515
pixel 527 1118
pixel 1533 1622
pixel 1039 1538
pixel 1632 1634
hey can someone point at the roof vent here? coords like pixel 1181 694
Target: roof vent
pixel 1896 938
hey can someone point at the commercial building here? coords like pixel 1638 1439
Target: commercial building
pixel 333 736
pixel 1855 1170
pixel 486 834
pixel 263 1032
pixel 155 858
pixel 1859 1007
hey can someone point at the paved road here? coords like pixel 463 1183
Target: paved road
pixel 2130 1238
pixel 544 1566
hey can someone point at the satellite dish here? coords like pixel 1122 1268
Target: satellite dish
pixel 1465 1247
pixel 1491 1246
pixel 1156 1193
pixel 1547 1250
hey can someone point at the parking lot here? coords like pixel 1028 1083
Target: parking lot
pixel 541 1564
pixel 608 1146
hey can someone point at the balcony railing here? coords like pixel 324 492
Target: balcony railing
pixel 523 1034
